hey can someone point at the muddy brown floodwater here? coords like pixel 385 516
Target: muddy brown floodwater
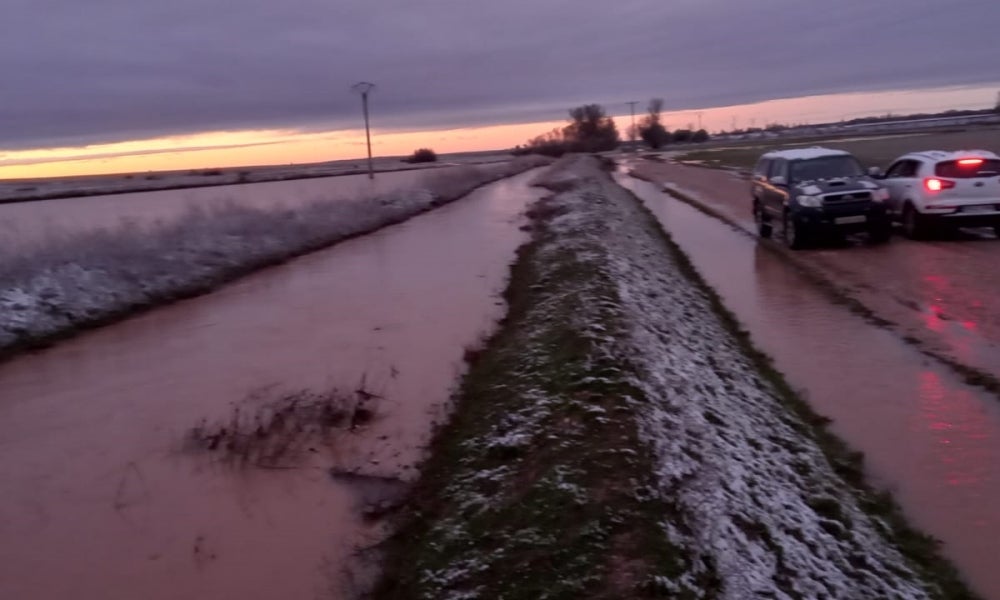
pixel 38 221
pixel 928 437
pixel 100 501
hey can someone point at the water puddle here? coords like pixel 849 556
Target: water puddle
pixel 929 438
pixel 101 500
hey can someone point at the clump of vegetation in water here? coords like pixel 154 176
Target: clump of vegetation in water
pixel 280 433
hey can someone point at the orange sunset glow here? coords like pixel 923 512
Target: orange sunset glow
pixel 286 146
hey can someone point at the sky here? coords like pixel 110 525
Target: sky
pixel 100 84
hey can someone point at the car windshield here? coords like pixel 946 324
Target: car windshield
pixel 826 167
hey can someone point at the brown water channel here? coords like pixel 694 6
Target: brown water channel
pixel 929 438
pixel 101 501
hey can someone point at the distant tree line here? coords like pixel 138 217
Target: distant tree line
pixel 590 129
pixel 892 117
pixel 779 127
pixel 652 131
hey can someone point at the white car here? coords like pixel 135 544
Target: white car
pixel 934 189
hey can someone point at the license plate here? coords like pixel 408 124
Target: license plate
pixel 979 208
pixel 850 220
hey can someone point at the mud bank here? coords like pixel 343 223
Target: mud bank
pixel 619 438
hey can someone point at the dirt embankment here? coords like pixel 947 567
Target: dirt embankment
pixel 620 438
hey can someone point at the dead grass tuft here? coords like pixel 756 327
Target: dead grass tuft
pixel 280 433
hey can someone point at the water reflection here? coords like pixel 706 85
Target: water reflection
pixel 961 431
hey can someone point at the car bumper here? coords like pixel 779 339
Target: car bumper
pixel 844 219
pixel 969 220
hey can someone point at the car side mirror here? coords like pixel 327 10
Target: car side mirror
pixel 779 180
pixel 876 173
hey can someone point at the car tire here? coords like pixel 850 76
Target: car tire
pixel 914 224
pixel 794 236
pixel 764 229
pixel 996 230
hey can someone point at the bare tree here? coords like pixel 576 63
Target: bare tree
pixel 590 129
pixel 651 130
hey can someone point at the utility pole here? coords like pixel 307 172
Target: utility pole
pixel 699 119
pixel 632 132
pixel 364 88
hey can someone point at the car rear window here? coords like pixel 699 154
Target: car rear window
pixel 826 167
pixel 968 168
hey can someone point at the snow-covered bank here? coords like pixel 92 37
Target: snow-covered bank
pixel 618 439
pixel 81 281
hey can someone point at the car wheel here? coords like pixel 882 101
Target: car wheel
pixel 763 227
pixel 794 237
pixel 914 226
pixel 996 230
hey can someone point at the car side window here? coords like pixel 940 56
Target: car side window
pixel 762 166
pixel 902 168
pixel 779 167
pixel 894 169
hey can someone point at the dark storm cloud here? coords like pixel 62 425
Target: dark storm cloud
pixel 81 71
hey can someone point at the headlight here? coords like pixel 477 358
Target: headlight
pixel 810 201
pixel 880 195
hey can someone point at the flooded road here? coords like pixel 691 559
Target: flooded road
pixel 944 293
pixel 27 222
pixel 100 500
pixel 929 438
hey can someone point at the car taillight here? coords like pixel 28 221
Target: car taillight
pixel 970 162
pixel 934 184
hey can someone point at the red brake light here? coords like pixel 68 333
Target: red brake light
pixel 970 162
pixel 934 184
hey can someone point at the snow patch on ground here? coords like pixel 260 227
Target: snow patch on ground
pixel 756 498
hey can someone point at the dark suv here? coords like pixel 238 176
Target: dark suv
pixel 813 191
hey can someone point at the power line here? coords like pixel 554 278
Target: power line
pixel 632 132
